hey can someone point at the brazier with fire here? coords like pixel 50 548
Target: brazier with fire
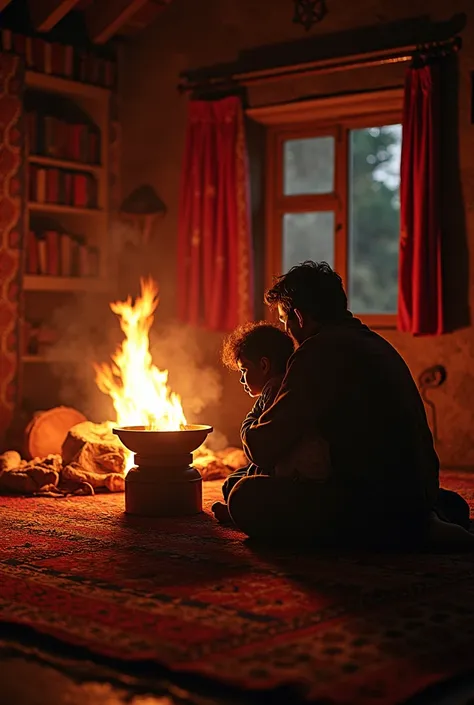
pixel 163 481
pixel 153 453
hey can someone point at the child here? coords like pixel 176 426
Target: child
pixel 260 352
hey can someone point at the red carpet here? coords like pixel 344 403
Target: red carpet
pixel 192 596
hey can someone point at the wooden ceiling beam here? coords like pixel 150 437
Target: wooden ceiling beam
pixel 3 4
pixel 45 14
pixel 105 18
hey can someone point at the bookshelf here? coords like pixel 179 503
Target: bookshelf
pixel 57 208
pixel 48 284
pixel 64 86
pixel 63 164
pixel 39 282
pixel 92 101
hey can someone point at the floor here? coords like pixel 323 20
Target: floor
pixel 35 670
pixel 35 673
pixel 39 671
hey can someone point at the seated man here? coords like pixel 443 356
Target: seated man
pixel 348 385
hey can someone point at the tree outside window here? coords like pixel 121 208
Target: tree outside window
pixel 334 196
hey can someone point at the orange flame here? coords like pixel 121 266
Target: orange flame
pixel 138 389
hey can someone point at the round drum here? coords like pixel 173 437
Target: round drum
pixel 47 431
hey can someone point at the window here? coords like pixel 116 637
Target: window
pixel 333 195
pixel 373 220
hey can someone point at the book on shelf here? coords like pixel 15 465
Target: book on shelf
pixel 53 252
pixel 53 262
pixel 49 185
pixel 65 253
pixel 57 128
pixel 42 255
pixel 63 60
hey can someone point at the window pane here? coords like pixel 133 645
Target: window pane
pixel 374 218
pixel 308 236
pixel 308 166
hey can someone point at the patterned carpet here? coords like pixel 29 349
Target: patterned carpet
pixel 193 596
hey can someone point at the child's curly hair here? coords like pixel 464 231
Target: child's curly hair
pixel 254 341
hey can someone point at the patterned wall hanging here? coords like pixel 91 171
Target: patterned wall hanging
pixel 11 233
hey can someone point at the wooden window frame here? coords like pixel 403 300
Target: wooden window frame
pixel 318 118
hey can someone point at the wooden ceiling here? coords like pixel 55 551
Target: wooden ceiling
pixel 103 19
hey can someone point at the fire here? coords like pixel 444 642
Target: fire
pixel 139 390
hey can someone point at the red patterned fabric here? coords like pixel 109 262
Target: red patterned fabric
pixel 214 242
pixel 195 597
pixel 420 289
pixel 11 229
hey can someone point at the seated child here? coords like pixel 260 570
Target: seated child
pixel 260 352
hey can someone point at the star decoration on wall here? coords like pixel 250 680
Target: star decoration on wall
pixel 308 12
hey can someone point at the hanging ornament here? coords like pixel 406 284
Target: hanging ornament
pixel 308 12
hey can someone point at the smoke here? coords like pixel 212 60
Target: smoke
pixel 89 333
pixel 217 441
pixel 85 336
pixel 179 349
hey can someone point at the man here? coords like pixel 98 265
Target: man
pixel 350 386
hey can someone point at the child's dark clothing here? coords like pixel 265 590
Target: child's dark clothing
pixel 232 480
pixel 264 402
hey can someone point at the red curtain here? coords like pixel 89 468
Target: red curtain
pixel 214 241
pixel 420 298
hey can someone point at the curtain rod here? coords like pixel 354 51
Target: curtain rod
pixel 322 67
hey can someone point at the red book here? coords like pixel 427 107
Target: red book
pixel 41 185
pixel 32 255
pixel 7 40
pixel 61 139
pixel 68 61
pixel 52 186
pixel 81 191
pixel 74 142
pixel 57 59
pixel 66 255
pixel 47 58
pixel 68 189
pixel 52 252
pixel 42 255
